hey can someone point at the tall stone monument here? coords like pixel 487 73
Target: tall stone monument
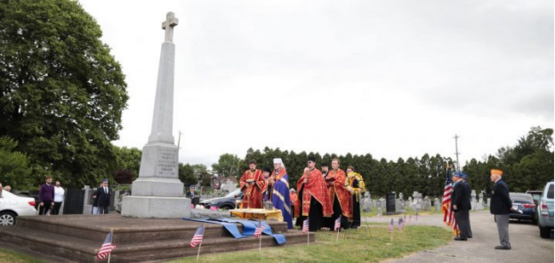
pixel 157 192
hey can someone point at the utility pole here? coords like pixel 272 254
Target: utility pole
pixel 179 140
pixel 457 152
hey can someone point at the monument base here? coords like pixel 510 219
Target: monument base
pixel 156 207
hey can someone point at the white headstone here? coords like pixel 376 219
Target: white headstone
pixel 157 192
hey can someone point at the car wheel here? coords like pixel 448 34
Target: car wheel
pixel 226 207
pixel 7 219
pixel 545 232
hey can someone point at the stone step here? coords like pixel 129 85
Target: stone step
pixel 83 250
pixel 126 230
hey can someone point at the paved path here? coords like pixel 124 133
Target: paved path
pixel 527 245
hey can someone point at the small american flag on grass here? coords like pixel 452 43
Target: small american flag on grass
pixel 400 224
pixel 106 247
pixel 305 226
pixel 391 226
pixel 337 225
pixel 197 238
pixel 259 229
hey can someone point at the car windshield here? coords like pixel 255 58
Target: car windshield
pixel 521 197
pixel 234 193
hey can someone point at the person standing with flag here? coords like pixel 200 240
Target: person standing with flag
pixel 460 203
pixel 464 179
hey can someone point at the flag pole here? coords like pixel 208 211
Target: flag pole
pixel 200 245
pixel 111 234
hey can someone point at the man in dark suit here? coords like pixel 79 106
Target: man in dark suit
pixel 460 203
pixel 501 206
pixel 464 179
pixel 102 195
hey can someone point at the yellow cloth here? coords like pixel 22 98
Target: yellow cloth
pixel 257 213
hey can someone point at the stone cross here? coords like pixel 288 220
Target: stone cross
pixel 168 25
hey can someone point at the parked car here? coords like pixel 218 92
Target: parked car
pixel 536 195
pixel 226 202
pixel 12 206
pixel 545 211
pixel 525 203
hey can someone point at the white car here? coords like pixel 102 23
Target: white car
pixel 12 206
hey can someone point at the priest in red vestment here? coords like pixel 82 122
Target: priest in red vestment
pixel 340 197
pixel 313 199
pixel 252 183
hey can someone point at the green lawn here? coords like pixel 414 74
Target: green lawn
pixel 363 245
pixel 10 256
pixel 409 212
pixel 359 246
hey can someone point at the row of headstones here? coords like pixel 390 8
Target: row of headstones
pixel 415 202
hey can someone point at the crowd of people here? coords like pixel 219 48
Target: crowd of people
pixel 322 196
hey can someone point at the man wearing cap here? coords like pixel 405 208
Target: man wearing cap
pixel 313 199
pixel 464 179
pixel 266 192
pixel 460 203
pixel 501 206
pixel 252 183
pixel 191 194
pixel 279 181
pixel 102 196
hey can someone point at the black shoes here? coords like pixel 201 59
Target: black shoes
pixel 503 247
pixel 460 239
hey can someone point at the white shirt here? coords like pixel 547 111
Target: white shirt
pixel 59 193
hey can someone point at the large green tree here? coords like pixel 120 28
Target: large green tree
pixel 61 91
pixel 228 165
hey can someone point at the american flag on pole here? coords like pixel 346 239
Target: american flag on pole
pixel 400 224
pixel 448 214
pixel 305 226
pixel 106 247
pixel 197 238
pixel 337 225
pixel 259 229
pixel 391 226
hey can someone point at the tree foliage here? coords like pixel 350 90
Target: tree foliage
pixel 228 165
pixel 61 91
pixel 14 165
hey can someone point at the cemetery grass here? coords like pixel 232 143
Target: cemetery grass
pixel 371 244
pixel 412 212
pixel 11 256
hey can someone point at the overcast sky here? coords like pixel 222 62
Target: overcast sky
pixel 389 78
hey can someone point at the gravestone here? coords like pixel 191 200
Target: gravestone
pixel 473 200
pixel 366 202
pixel 87 206
pixel 480 204
pixel 157 192
pixel 390 203
pixel 418 203
pixel 427 204
pixel 488 200
pixel 409 201
pixel 437 204
pixel 380 213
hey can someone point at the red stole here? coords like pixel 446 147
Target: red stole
pixel 338 188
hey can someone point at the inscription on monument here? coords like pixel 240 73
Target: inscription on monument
pixel 167 162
